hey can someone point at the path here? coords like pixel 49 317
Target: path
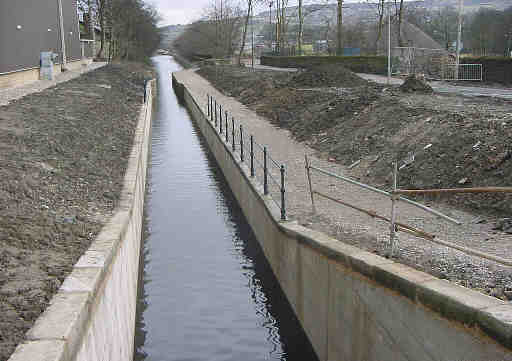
pixel 355 227
pixel 12 93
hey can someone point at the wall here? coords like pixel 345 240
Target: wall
pixel 354 305
pixel 20 49
pixel 92 317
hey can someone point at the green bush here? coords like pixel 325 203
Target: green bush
pixel 358 64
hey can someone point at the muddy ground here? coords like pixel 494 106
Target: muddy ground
pixel 63 154
pixel 441 141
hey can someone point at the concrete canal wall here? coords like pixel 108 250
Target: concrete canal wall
pixel 92 317
pixel 354 305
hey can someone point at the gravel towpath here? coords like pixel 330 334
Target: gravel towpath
pixel 359 229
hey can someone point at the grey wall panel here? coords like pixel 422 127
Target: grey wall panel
pixel 71 29
pixel 20 48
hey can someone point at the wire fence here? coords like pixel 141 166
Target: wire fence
pixel 263 168
pixel 396 196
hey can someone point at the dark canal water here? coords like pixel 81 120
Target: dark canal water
pixel 207 292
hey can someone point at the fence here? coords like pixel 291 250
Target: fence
pixel 395 197
pixel 435 64
pixel 472 72
pixel 262 166
pixel 87 48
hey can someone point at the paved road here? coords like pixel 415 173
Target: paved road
pixel 443 87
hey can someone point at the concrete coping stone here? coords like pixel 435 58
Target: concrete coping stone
pixel 497 322
pixel 454 302
pixel 58 331
pixel 52 350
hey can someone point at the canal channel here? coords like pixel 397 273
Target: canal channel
pixel 206 290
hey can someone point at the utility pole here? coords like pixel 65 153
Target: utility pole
pixel 252 41
pixel 339 45
pixel 62 37
pixel 389 46
pixel 459 35
pixel 271 28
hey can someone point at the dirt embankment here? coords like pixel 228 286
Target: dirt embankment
pixel 441 141
pixel 63 154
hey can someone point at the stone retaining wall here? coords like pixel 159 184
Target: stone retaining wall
pixel 354 305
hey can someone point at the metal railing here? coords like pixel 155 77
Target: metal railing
pixel 396 196
pixel 471 72
pixel 244 147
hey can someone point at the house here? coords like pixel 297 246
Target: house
pixel 29 27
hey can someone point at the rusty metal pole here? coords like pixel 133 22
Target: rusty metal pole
pixel 394 199
pixel 308 174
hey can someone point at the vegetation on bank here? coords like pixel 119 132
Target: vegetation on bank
pixel 127 28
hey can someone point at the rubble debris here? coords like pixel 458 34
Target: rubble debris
pixel 414 84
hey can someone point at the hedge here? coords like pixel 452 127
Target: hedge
pixel 358 64
pixel 495 69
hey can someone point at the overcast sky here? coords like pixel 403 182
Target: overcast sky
pixel 186 11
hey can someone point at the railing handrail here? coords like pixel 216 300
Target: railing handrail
pixel 394 195
pixel 245 148
pixel 387 194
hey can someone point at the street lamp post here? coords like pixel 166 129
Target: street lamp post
pixel 270 23
pixel 389 46
pixel 459 35
pixel 62 37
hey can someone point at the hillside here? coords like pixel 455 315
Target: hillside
pixel 170 33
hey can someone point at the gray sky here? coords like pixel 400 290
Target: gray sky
pixel 186 11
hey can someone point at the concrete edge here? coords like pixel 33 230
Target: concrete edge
pixel 58 332
pixel 453 302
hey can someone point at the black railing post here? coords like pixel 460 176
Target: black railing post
pixel 233 133
pixel 215 113
pixel 252 156
pixel 283 207
pixel 227 129
pixel 208 105
pixel 265 171
pixel 241 143
pixel 211 109
pixel 220 116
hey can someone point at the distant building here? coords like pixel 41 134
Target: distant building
pixel 29 27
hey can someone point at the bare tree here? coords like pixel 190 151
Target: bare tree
pixel 242 46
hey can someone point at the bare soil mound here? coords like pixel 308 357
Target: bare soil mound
pixel 326 76
pixel 451 141
pixel 63 156
pixel 414 84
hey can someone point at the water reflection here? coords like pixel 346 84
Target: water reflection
pixel 207 291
